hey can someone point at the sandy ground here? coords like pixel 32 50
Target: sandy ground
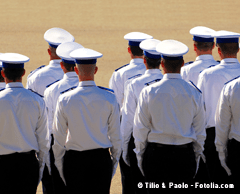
pixel 101 25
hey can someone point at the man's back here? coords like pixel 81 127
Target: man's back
pixel 45 76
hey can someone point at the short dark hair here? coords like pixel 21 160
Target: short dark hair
pixel 69 67
pixel 228 48
pixel 136 50
pixel 204 46
pixel 173 65
pixel 13 73
pixel 153 63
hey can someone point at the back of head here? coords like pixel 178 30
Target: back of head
pixel 204 46
pixel 173 66
pixel 228 49
pixel 136 51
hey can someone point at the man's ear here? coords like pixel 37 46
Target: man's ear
pixel 182 64
pixel 24 71
pixel 76 70
pixel 3 74
pixel 49 51
pixel 129 50
pixel 194 47
pixel 96 69
pixel 61 63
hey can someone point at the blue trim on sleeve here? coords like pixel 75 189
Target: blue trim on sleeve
pixel 69 89
pixel 231 80
pixel 135 76
pixel 195 86
pixel 36 93
pixel 107 89
pixel 52 83
pixel 121 67
pixel 151 82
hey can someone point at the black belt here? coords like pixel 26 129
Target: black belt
pixel 159 145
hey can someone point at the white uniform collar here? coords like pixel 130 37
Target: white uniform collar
pixel 55 62
pixel 230 60
pixel 204 57
pixel 152 71
pixel 86 83
pixel 172 76
pixel 137 60
pixel 14 85
pixel 69 75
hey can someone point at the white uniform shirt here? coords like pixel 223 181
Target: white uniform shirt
pixel 135 67
pixel 45 76
pixel 86 118
pixel 192 71
pixel 51 94
pixel 227 118
pixel 23 121
pixel 169 112
pixel 2 85
pixel 132 93
pixel 211 82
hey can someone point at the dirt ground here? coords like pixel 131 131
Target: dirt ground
pixel 101 25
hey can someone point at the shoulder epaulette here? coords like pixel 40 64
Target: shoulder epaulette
pixel 37 69
pixel 121 67
pixel 188 63
pixel 151 82
pixel 208 67
pixel 2 89
pixel 36 93
pixel 106 89
pixel 195 86
pixel 135 76
pixel 69 89
pixel 219 61
pixel 52 83
pixel 231 80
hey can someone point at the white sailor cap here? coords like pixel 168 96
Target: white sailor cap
pixel 56 36
pixel 172 49
pixel 135 38
pixel 149 48
pixel 223 36
pixel 85 56
pixel 202 34
pixel 64 50
pixel 13 60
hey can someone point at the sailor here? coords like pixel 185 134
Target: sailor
pixel 169 123
pixel 24 139
pixel 227 129
pixel 211 82
pixel 86 125
pixel 135 68
pixel 152 60
pixel 51 94
pixel 38 80
pixel 203 43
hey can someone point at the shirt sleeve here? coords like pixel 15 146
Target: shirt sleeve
pixel 60 134
pixel 114 135
pixel 50 109
pixel 141 127
pixel 199 128
pixel 128 111
pixel 42 135
pixel 223 122
pixel 118 88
